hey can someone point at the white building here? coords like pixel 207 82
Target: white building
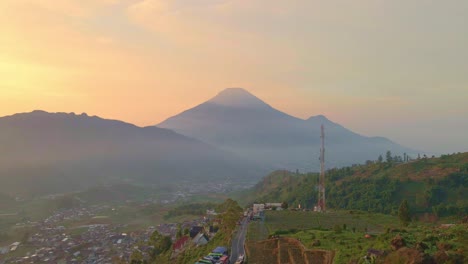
pixel 272 205
pixel 258 208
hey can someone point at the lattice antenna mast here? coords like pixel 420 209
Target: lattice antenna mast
pixel 321 193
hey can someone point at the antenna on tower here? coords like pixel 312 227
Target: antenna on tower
pixel 321 205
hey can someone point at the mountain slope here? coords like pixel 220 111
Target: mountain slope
pixel 435 185
pixel 237 121
pixel 50 152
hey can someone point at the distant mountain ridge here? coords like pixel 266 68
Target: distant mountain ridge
pixel 54 152
pixel 237 121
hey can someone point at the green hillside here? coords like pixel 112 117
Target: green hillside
pixel 431 185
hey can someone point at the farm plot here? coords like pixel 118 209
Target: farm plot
pixel 257 231
pixel 293 221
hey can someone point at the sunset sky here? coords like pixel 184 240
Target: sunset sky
pixel 395 68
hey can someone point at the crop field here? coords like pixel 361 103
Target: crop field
pixel 299 220
pixel 347 234
pixel 285 250
pixel 346 244
pixel 257 231
pixel 285 222
pixel 343 232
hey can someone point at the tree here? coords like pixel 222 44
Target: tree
pixel 337 229
pixel 284 205
pixel 389 158
pixel 179 232
pixel 404 213
pixel 136 257
pixel 160 243
pixel 380 159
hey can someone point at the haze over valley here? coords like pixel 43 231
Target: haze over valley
pixel 233 138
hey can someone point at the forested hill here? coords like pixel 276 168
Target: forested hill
pixel 431 185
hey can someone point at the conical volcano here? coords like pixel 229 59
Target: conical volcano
pixel 237 121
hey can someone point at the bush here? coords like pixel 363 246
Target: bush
pixel 316 243
pixel 337 229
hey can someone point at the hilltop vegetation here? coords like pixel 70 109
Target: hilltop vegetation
pixel 431 185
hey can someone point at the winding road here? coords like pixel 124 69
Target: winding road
pixel 238 241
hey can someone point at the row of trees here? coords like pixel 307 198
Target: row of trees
pixel 393 159
pixel 390 159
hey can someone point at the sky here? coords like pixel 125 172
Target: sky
pixel 396 68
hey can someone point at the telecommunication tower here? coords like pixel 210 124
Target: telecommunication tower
pixel 321 206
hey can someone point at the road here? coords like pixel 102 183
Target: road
pixel 238 240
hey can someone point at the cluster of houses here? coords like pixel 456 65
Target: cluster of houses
pixel 101 243
pixel 198 235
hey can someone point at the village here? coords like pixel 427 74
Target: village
pixel 97 243
pixel 52 242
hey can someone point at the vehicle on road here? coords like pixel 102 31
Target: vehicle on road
pixel 240 260
pixel 223 260
pixel 203 261
pixel 219 255
pixel 221 250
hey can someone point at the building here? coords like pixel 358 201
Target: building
pixel 273 205
pixel 200 239
pixel 258 208
pixel 195 230
pixel 180 244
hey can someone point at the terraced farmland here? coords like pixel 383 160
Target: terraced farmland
pixel 343 230
pixel 286 250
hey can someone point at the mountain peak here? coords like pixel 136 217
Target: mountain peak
pixel 318 118
pixel 237 97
